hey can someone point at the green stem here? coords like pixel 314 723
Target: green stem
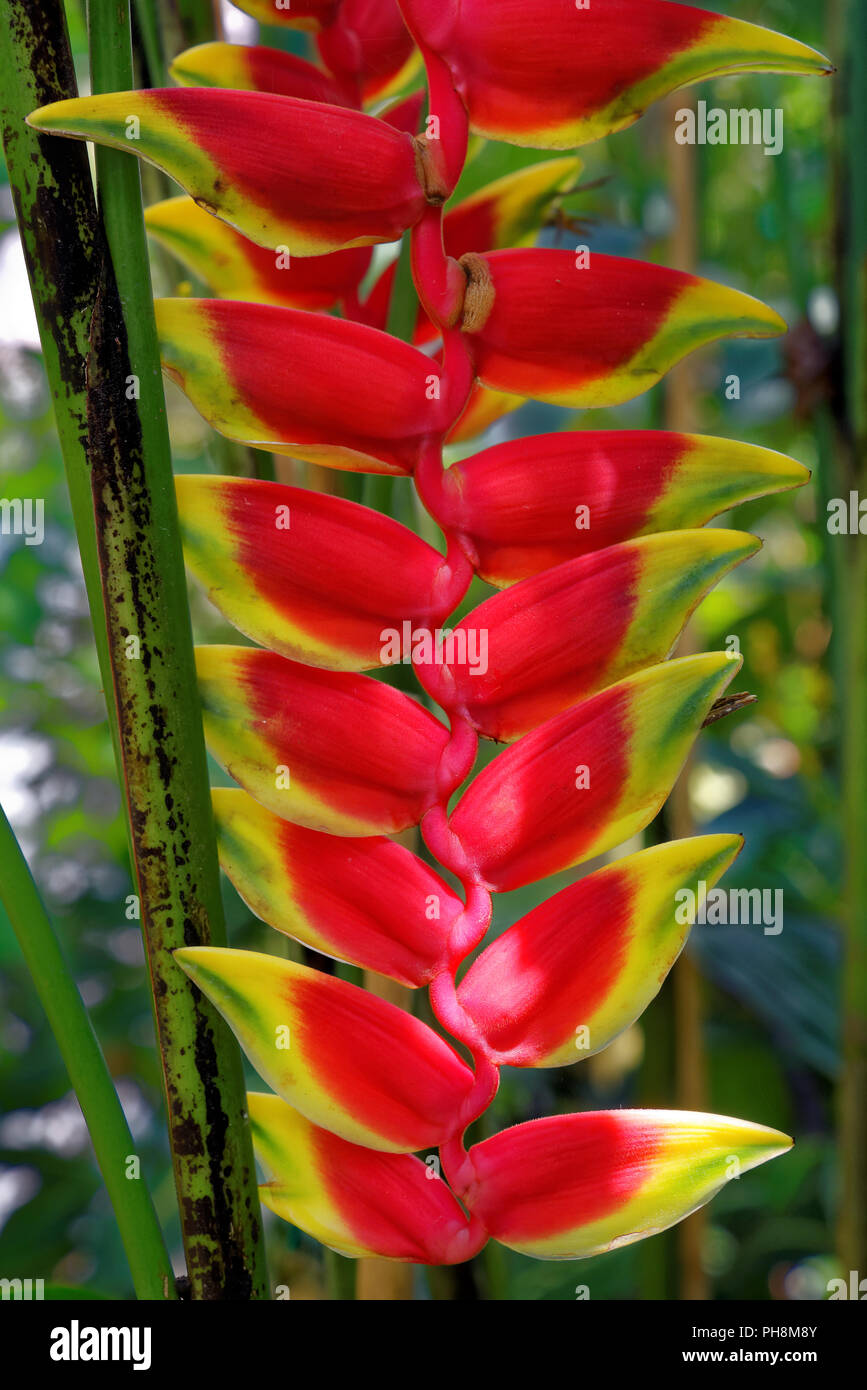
pixel 113 1144
pixel 151 42
pixel 163 751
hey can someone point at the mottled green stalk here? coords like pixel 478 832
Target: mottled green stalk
pixel 163 751
pixel 113 1144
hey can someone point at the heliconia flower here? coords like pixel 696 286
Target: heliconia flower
pixel 314 577
pixel 336 752
pixel 585 780
pixel 256 68
pixel 349 1061
pixel 363 40
pixel 287 173
pixel 308 385
pixel 236 268
pixel 565 980
pixel 546 643
pixel 570 1186
pixel 526 505
pixel 352 1199
pixel 290 184
pixel 367 901
pixel 552 74
pixel 538 325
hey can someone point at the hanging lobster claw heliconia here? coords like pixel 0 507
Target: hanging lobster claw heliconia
pixel 568 665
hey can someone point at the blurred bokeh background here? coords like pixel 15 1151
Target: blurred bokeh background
pixel 748 1023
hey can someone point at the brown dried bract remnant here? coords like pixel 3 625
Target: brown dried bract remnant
pixel 429 176
pixel 479 299
pixel 728 704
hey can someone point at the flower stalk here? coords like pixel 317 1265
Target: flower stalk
pixel 164 764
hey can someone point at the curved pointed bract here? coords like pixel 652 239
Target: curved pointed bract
pixel 284 171
pixel 314 577
pixel 540 323
pixel 367 901
pixel 606 1178
pixel 565 980
pixel 350 1062
pixel 236 268
pixel 526 505
pixel 308 385
pixel 553 74
pixel 542 645
pixel 256 68
pixel 353 1199
pixel 335 752
pixel 587 779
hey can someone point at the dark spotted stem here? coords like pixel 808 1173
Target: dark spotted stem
pixel 96 321
pixel 163 750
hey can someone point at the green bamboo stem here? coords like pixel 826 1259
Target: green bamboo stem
pixel 163 751
pixel 113 1144
pixel 851 641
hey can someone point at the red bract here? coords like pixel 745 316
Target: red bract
pixel 316 387
pixel 597 531
pixel 554 74
pixel 285 172
pixel 591 331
